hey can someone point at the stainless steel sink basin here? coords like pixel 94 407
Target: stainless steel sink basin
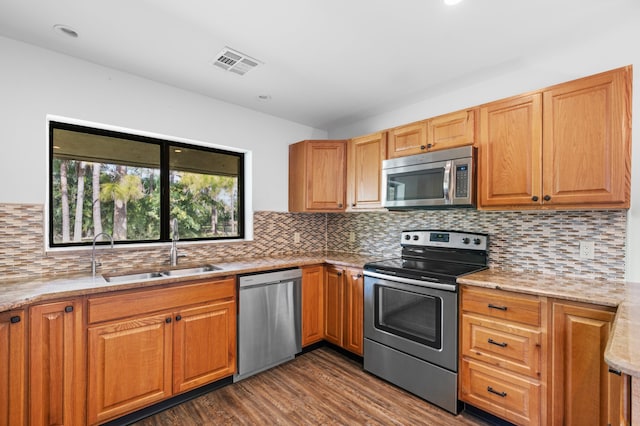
pixel 180 272
pixel 190 271
pixel 132 277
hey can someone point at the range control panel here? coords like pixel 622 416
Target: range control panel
pixel 447 239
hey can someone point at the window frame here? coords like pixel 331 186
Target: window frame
pixel 244 218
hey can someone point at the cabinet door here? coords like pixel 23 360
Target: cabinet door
pixel 333 305
pixel 354 313
pixel 408 140
pixel 312 304
pixel 451 130
pixel 12 368
pixel 587 141
pixel 364 171
pixel 204 344
pixel 326 167
pixel 130 365
pixel 510 152
pixel 56 364
pixel 580 380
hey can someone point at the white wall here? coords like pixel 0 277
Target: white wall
pixel 35 82
pixel 618 48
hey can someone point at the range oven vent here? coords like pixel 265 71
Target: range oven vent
pixel 233 61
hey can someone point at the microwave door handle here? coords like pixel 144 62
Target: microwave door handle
pixel 446 183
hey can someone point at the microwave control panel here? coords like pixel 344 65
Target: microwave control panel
pixel 462 181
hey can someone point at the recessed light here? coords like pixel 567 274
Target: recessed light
pixel 264 97
pixel 451 2
pixel 65 30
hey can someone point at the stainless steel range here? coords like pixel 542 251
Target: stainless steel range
pixel 411 312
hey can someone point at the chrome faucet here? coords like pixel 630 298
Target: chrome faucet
pixel 95 264
pixel 175 236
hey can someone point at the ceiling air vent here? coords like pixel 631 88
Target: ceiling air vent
pixel 234 61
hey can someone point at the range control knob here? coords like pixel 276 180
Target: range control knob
pixel 416 238
pixel 477 241
pixel 466 240
pixel 407 237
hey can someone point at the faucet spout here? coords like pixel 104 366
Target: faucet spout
pixel 175 236
pixel 94 264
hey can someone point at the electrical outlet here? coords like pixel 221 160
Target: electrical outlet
pixel 587 249
pixel 352 237
pixel 296 238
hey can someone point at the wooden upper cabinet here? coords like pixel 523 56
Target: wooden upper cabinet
pixel 364 171
pixel 510 152
pixel 57 364
pixel 408 140
pixel 12 368
pixel 451 130
pixel 317 176
pixel 587 142
pixel 567 146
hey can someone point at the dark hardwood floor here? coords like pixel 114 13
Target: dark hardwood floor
pixel 322 387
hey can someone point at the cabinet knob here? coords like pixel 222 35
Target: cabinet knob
pixel 429 145
pixel 340 205
pixel 15 319
pixel 353 205
pixel 178 317
pixel 423 147
pixel 68 309
pixel 339 274
pixel 547 197
pixel 534 198
pixel 167 320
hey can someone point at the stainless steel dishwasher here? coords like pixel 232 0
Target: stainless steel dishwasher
pixel 269 320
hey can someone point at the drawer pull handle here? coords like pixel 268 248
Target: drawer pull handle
pixel 493 342
pixel 500 308
pixel 614 371
pixel 500 394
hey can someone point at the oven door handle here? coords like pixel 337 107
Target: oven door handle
pixel 427 284
pixel 447 188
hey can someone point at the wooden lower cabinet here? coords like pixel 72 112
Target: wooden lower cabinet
pixel 583 391
pixel 502 354
pixel 57 363
pixel 343 308
pixel 312 304
pixel 173 340
pixel 12 368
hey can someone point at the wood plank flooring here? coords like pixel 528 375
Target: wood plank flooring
pixel 322 387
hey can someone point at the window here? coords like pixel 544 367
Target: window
pixel 132 186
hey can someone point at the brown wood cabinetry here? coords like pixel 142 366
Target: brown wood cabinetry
pixel 567 146
pixel 502 354
pixel 409 139
pixel 317 176
pixel 343 308
pixel 145 346
pixel 364 171
pixel 312 304
pixel 57 363
pixel 12 368
pixel 582 390
pixel 451 130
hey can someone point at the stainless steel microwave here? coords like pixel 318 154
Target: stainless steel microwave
pixel 437 179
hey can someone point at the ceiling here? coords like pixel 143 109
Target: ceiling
pixel 323 62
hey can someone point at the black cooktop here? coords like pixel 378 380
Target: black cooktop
pixel 439 270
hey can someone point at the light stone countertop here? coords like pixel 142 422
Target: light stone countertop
pixel 623 348
pixel 19 293
pixel 622 352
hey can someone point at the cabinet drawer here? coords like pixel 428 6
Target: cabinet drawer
pixel 143 302
pixel 501 304
pixel 505 345
pixel 504 394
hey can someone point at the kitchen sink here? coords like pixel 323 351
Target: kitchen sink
pixel 190 271
pixel 180 272
pixel 132 277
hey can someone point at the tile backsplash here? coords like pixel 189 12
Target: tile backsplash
pixel 543 241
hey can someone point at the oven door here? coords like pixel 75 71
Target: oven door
pixel 408 316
